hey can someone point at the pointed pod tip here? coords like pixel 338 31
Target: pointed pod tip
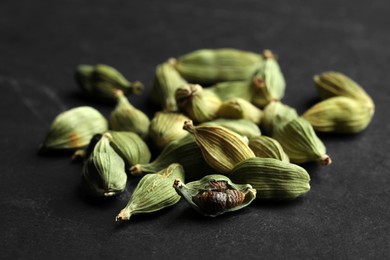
pixel 189 126
pixel 325 160
pixel 123 215
pixel 136 170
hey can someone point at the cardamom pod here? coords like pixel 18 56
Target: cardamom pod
pixel 101 82
pixel 301 143
pixel 199 105
pixel 166 81
pixel 233 89
pixel 276 114
pixel 184 151
pixel 130 147
pixel 339 115
pixel 166 127
pixel 74 129
pixel 331 84
pixel 125 117
pixel 267 147
pixel 238 108
pixel 104 171
pixel 222 148
pixel 269 81
pixel 208 66
pixel 242 127
pixel 273 179
pixel 215 194
pixel 153 192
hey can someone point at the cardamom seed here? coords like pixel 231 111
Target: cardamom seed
pixel 153 192
pixel 125 117
pixel 222 148
pixel 104 171
pixel 242 127
pixel 267 147
pixel 199 105
pixel 238 108
pixel 273 179
pixel 215 194
pixel 74 129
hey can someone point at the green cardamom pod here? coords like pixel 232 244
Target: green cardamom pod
pixel 209 66
pixel 166 81
pixel 166 127
pixel 331 84
pixel 301 143
pixel 102 81
pixel 104 171
pixel 238 108
pixel 215 194
pixel 125 117
pixel 184 151
pixel 267 147
pixel 276 114
pixel 222 148
pixel 153 192
pixel 242 127
pixel 130 147
pixel 339 115
pixel 74 129
pixel 273 179
pixel 199 105
pixel 233 89
pixel 269 81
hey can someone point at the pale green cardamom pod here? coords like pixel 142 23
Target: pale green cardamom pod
pixel 184 151
pixel 242 127
pixel 199 105
pixel 130 147
pixel 166 81
pixel 339 115
pixel 331 84
pixel 276 114
pixel 269 81
pixel 102 81
pixel 232 89
pixel 301 143
pixel 238 108
pixel 153 192
pixel 210 66
pixel 273 179
pixel 267 147
pixel 222 148
pixel 215 194
pixel 74 128
pixel 104 171
pixel 166 127
pixel 125 117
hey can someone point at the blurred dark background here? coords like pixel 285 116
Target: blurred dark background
pixel 43 212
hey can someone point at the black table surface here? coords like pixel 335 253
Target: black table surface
pixel 43 211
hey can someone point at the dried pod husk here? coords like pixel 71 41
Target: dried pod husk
pixel 130 147
pixel 210 66
pixel 301 143
pixel 101 82
pixel 199 105
pixel 215 194
pixel 273 179
pixel 125 117
pixel 74 129
pixel 233 89
pixel 242 127
pixel 269 81
pixel 222 148
pixel 153 192
pixel 166 127
pixel 267 147
pixel 238 108
pixel 276 114
pixel 184 151
pixel 340 115
pixel 332 84
pixel 166 81
pixel 104 171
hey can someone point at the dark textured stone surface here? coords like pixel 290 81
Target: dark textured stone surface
pixel 43 213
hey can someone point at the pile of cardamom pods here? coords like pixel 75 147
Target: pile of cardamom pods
pixel 224 136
